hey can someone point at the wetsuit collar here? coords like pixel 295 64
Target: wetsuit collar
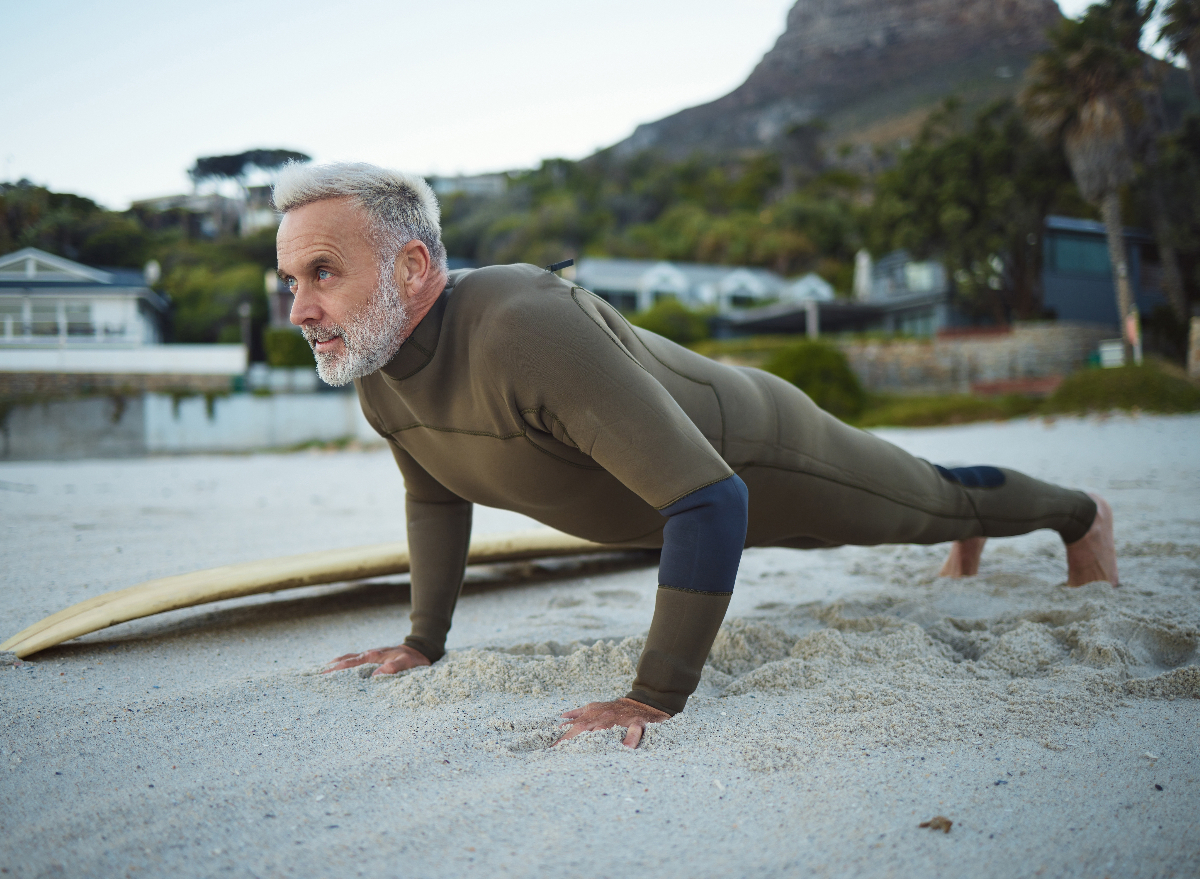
pixel 418 349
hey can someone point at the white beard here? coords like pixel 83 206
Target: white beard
pixel 370 338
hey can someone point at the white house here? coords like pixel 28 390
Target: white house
pixel 635 284
pixel 58 316
pixel 48 300
pixel 810 288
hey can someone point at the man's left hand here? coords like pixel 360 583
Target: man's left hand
pixel 606 715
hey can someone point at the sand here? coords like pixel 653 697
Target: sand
pixel 850 697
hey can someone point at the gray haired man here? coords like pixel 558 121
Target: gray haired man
pixel 511 387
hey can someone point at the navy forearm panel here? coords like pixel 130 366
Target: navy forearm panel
pixel 704 537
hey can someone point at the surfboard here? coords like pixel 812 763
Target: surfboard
pixel 273 575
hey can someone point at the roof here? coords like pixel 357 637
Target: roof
pixel 1090 227
pixel 34 271
pixel 612 274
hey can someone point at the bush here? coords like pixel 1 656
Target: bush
pixel 822 372
pixel 673 320
pixel 286 347
pixel 1147 387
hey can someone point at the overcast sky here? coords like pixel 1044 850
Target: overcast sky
pixel 115 100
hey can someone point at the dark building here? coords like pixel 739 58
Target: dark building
pixel 1077 280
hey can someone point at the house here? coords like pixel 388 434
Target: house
pixel 48 300
pixel 197 216
pixel 635 284
pixel 912 297
pixel 67 328
pixel 896 294
pixel 1077 280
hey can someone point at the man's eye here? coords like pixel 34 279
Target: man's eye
pixel 291 284
pixel 323 274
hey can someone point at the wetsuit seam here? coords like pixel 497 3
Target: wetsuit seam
pixel 909 504
pixel 609 334
pixel 417 500
pixel 566 433
pixel 486 435
pixel 693 591
pixel 693 380
pixel 482 433
pixel 974 509
pixel 693 491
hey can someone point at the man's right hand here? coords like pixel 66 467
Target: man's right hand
pixel 392 660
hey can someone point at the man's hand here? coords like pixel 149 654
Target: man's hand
pixel 392 659
pixel 606 715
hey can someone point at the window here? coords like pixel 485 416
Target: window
pixel 12 318
pixel 1077 254
pixel 918 277
pixel 44 317
pixel 79 319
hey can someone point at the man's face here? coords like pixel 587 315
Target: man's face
pixel 347 304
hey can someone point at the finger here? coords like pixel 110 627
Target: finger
pixel 634 736
pixel 576 712
pixel 391 667
pixel 338 666
pixel 570 734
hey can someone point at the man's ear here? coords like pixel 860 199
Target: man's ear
pixel 413 265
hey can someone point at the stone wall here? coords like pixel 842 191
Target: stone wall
pixel 1022 358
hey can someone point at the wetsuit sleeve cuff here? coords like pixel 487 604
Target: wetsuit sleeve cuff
pixel 430 651
pixel 682 633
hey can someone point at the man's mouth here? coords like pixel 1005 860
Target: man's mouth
pixel 327 346
pixel 323 340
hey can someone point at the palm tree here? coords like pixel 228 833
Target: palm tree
pixel 1181 30
pixel 1083 93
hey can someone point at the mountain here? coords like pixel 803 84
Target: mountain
pixel 868 70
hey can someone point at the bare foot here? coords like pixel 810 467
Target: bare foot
pixel 1094 556
pixel 963 560
pixel 393 660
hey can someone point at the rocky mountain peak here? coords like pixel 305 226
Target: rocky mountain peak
pixel 836 53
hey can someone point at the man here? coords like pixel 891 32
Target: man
pixel 511 387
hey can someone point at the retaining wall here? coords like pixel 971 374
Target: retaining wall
pixel 124 426
pixel 966 363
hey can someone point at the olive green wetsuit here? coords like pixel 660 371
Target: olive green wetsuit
pixel 522 391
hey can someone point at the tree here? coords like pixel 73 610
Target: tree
pixel 1083 93
pixel 1181 30
pixel 1148 137
pixel 975 195
pixel 238 166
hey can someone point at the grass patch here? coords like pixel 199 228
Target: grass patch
pixel 892 411
pixel 1151 387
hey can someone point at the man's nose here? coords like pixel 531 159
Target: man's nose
pixel 304 306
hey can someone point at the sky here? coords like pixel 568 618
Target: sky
pixel 115 100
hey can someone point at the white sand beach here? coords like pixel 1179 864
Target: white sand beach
pixel 850 697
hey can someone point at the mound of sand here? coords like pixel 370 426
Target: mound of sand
pixel 885 670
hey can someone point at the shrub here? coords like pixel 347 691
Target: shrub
pixel 673 320
pixel 822 372
pixel 286 347
pixel 1147 387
